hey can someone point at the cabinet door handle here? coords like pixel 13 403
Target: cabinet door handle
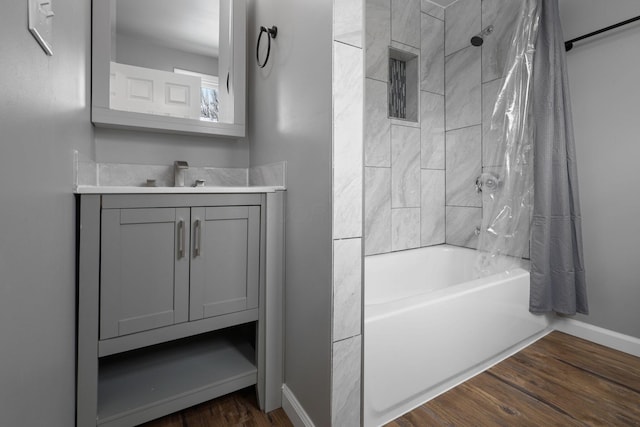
pixel 197 232
pixel 181 239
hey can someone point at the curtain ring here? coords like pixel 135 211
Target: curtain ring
pixel 271 34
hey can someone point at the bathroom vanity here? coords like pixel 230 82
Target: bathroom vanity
pixel 179 299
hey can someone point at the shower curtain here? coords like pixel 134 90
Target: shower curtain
pixel 507 178
pixel 557 267
pixel 530 189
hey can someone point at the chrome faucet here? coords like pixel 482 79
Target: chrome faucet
pixel 179 168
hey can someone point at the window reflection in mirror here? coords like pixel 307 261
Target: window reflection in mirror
pixel 167 58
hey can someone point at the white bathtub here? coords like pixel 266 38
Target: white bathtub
pixel 430 325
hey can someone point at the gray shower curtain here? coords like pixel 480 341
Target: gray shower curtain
pixel 557 267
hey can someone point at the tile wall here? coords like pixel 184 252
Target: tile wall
pixel 348 96
pixel 89 173
pixel 404 176
pixel 420 177
pixel 473 80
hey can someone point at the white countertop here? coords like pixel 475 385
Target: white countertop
pixel 97 189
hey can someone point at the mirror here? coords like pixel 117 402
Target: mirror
pixel 170 65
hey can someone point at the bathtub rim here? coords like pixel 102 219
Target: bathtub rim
pixel 378 311
pixel 513 264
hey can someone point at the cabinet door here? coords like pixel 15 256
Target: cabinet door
pixel 145 269
pixel 224 260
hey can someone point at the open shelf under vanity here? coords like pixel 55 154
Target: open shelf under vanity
pixel 138 385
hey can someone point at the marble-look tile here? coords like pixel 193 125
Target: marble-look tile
pixel 405 48
pixel 463 166
pixel 122 174
pixel 432 55
pixel 432 211
pixel 405 167
pixel 462 223
pixel 229 177
pixel 405 22
pixel 405 228
pixel 463 22
pixel 377 125
pixel 377 39
pixel 137 175
pixel 347 21
pixel 463 92
pixel 432 131
pixel 377 221
pixel 346 372
pixel 134 175
pixel 347 288
pixel 269 174
pixel 503 15
pixel 405 123
pixel 85 170
pixel 490 136
pixel 433 9
pixel 348 95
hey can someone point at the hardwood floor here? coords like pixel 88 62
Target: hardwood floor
pixel 235 409
pixel 560 380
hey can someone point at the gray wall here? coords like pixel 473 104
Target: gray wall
pixel 44 116
pixel 290 119
pixel 603 77
pixel 125 146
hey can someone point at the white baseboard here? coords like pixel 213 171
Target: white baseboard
pixel 294 410
pixel 598 335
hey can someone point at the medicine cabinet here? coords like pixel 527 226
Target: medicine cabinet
pixel 175 66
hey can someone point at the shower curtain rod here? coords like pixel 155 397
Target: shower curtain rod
pixel 568 45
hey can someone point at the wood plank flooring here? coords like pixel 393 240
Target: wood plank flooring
pixel 560 380
pixel 235 409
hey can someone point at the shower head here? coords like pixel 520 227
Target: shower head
pixel 478 39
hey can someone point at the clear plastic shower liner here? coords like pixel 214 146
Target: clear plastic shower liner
pixel 507 178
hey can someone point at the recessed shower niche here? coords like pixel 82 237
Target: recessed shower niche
pixel 403 85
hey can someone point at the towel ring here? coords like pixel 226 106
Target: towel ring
pixel 271 34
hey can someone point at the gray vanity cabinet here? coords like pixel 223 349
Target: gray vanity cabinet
pixel 145 269
pixel 224 260
pixel 163 266
pixel 179 302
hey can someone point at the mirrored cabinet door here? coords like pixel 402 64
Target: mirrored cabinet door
pixel 170 65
